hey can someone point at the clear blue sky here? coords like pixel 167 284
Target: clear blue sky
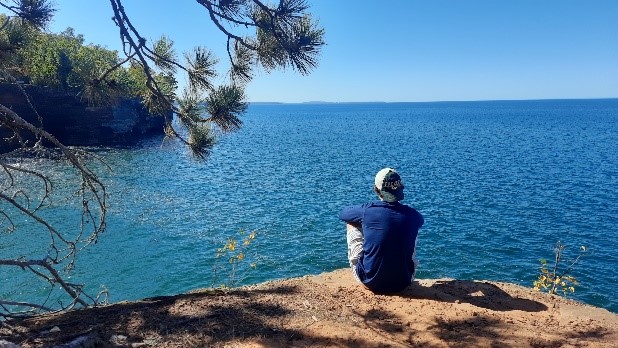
pixel 408 50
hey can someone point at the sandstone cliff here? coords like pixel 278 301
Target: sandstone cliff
pixel 73 122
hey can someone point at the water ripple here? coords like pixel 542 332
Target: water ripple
pixel 498 182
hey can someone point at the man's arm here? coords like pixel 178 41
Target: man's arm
pixel 421 219
pixel 353 214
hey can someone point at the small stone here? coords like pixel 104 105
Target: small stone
pixel 146 343
pixel 7 344
pixel 118 339
pixel 54 329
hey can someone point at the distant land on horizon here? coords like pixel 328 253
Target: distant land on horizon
pixel 428 102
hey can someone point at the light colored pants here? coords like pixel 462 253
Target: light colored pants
pixel 355 239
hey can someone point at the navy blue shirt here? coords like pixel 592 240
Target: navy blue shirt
pixel 390 231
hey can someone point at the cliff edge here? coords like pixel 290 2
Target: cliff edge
pixel 331 310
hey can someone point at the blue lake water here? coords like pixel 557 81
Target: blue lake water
pixel 499 183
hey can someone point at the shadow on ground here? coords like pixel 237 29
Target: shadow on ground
pixel 479 294
pixel 278 316
pixel 207 318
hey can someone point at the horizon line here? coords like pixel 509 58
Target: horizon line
pixel 429 101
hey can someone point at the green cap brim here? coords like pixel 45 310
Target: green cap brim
pixel 392 196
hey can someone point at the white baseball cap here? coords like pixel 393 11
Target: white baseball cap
pixel 389 183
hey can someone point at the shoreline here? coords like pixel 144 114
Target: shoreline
pixel 332 310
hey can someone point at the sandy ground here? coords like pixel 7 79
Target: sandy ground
pixel 331 310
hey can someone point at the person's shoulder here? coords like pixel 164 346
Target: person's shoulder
pixel 412 212
pixel 357 206
pixel 411 209
pixel 376 204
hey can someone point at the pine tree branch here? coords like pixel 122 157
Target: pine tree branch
pixel 216 21
pixel 126 29
pixel 209 5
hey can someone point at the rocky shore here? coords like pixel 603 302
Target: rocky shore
pixel 74 122
pixel 331 310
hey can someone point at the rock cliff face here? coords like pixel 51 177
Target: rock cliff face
pixel 73 122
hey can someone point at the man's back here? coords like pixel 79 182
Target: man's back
pixel 390 231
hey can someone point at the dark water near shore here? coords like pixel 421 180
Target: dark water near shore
pixel 498 183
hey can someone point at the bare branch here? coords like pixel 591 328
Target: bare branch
pixel 25 304
pixel 71 289
pixel 38 219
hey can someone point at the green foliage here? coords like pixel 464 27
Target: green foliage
pixel 225 105
pixel 201 139
pixel 132 79
pixel 201 69
pixel 236 253
pixel 96 74
pixel 47 59
pixel 35 12
pixel 556 277
pixel 158 103
pixel 165 56
pixel 14 34
pixel 283 40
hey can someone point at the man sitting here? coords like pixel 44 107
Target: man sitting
pixel 382 236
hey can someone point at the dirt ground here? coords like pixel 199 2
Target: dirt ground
pixel 331 310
